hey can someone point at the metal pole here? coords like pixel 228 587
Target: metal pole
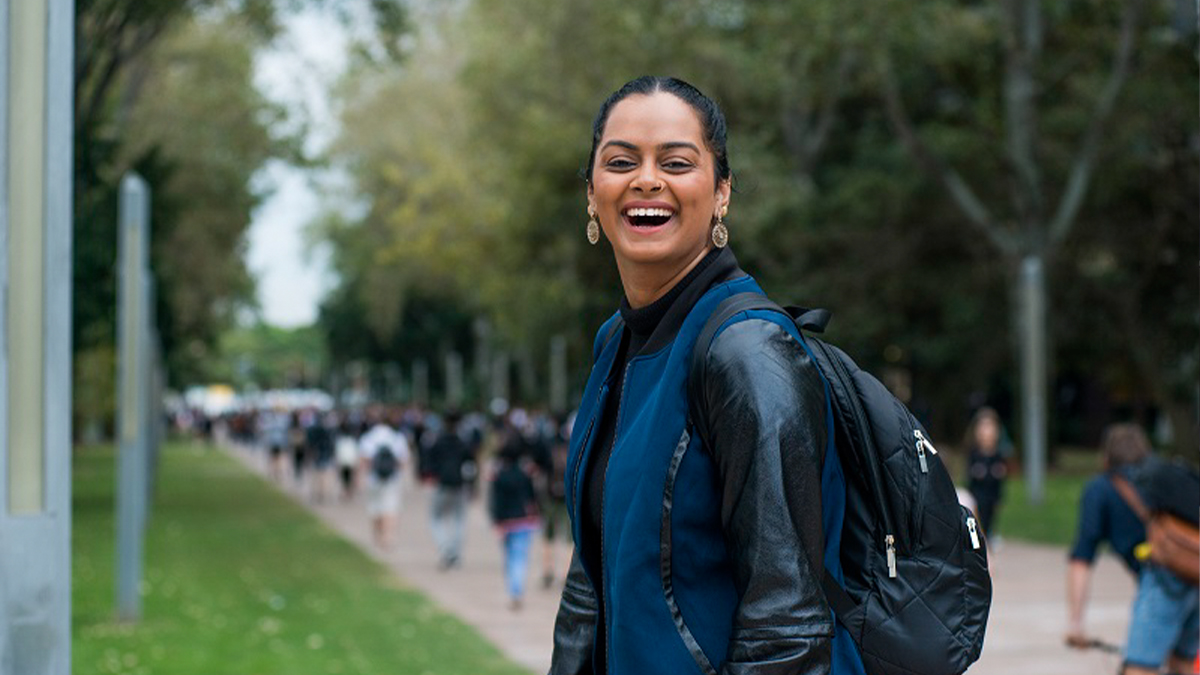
pixel 1033 374
pixel 132 377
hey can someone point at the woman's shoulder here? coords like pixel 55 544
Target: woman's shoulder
pixel 759 357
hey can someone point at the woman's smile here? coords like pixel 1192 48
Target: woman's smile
pixel 648 218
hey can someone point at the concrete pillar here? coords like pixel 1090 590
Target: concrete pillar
pixel 36 55
pixel 134 374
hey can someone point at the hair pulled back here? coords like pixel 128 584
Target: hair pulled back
pixel 712 120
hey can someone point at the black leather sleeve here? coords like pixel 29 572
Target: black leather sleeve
pixel 764 408
pixel 575 626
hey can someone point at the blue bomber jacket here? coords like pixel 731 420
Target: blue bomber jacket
pixel 711 548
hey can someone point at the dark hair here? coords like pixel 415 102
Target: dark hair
pixel 712 120
pixel 1124 444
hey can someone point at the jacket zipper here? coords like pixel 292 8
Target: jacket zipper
pixel 587 435
pixel 603 500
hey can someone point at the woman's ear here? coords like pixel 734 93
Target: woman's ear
pixel 724 193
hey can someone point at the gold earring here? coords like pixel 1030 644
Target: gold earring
pixel 720 233
pixel 593 227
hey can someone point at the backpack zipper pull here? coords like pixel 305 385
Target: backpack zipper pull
pixel 891 555
pixel 973 532
pixel 923 445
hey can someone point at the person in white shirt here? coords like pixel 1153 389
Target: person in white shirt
pixel 384 453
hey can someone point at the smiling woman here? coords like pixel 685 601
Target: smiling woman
pixel 702 523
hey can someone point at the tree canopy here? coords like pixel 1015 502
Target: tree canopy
pixel 892 161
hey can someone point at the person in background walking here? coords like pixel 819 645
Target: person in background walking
pixel 320 444
pixel 298 441
pixel 274 434
pixel 553 465
pixel 385 452
pixel 451 464
pixel 346 453
pixel 987 465
pixel 513 507
pixel 1164 629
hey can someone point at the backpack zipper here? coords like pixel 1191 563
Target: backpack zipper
pixel 891 555
pixel 973 532
pixel 923 444
pixel 860 420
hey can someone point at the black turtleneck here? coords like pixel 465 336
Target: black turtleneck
pixel 646 330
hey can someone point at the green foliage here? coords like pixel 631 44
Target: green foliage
pixel 468 161
pixel 238 579
pixel 165 89
pixel 269 357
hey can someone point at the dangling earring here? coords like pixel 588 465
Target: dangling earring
pixel 720 233
pixel 593 227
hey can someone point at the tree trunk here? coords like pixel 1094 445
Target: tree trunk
pixel 1031 296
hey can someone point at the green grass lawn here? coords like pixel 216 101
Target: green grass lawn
pixel 241 581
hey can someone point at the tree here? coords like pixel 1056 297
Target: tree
pixel 1046 159
pixel 165 88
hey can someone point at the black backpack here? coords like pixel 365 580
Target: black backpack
pixel 384 464
pixel 917 590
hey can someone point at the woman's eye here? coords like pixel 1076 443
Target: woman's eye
pixel 619 164
pixel 677 165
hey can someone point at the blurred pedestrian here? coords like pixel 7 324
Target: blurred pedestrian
pixel 553 466
pixel 298 442
pixel 987 465
pixel 451 465
pixel 274 433
pixel 513 508
pixel 346 454
pixel 320 442
pixel 1164 628
pixel 385 452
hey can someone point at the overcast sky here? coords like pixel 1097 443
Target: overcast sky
pixel 296 72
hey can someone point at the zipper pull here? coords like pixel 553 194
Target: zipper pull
pixel 923 446
pixel 891 555
pixel 973 532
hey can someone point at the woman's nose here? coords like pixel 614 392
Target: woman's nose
pixel 647 179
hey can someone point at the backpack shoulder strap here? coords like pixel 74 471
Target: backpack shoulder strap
pixel 1130 496
pixel 729 307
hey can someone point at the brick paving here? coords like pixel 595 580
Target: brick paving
pixel 1024 632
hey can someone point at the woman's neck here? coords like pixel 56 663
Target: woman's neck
pixel 646 283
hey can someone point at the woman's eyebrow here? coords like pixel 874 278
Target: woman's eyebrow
pixel 623 144
pixel 669 145
pixel 672 145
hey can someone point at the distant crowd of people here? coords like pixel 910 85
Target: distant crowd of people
pixel 516 459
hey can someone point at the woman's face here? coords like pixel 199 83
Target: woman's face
pixel 654 186
pixel 987 434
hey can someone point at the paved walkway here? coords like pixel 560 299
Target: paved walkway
pixel 1024 632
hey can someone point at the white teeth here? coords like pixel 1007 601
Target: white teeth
pixel 644 212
